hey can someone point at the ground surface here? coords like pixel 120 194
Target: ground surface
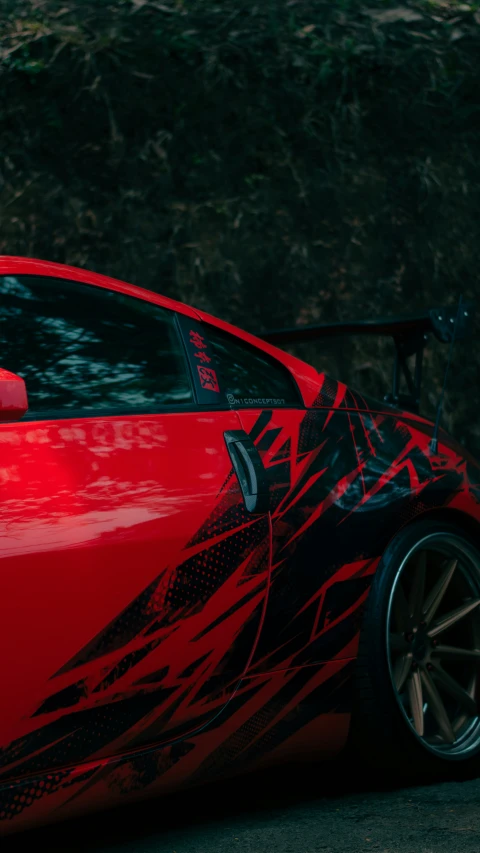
pixel 282 812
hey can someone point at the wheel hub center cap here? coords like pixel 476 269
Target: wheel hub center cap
pixel 420 645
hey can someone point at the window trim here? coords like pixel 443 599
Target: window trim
pixel 113 412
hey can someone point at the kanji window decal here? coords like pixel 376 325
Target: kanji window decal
pixel 208 378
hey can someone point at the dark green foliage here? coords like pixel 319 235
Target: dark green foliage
pixel 273 162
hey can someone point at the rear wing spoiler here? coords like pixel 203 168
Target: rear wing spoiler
pixel 410 335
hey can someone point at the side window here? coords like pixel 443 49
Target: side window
pixel 80 347
pixel 250 378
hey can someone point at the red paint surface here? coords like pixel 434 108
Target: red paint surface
pixel 98 510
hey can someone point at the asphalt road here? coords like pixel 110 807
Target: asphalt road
pixel 320 808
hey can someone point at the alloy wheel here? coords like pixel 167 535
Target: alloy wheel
pixel 433 644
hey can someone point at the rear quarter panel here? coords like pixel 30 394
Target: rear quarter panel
pixel 344 480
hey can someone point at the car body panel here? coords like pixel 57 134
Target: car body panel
pixel 286 706
pixel 299 713
pixel 126 546
pixel 256 670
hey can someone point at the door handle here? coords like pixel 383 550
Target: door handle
pixel 250 471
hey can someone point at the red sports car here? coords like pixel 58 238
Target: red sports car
pixel 214 557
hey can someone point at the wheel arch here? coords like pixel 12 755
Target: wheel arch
pixel 449 515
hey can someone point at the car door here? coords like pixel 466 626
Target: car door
pixel 132 577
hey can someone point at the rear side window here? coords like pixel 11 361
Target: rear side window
pixel 80 347
pixel 250 378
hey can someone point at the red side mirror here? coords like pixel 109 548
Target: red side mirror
pixel 13 396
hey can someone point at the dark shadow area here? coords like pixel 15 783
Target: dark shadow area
pixel 256 796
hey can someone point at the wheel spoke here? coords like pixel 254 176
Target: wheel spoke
pixel 451 618
pixel 415 697
pixel 400 608
pixel 398 643
pixel 417 591
pixel 454 689
pixel 453 653
pixel 435 597
pixel 437 708
pixel 401 670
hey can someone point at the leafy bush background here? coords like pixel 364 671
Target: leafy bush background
pixel 272 161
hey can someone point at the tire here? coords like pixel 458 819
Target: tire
pixel 383 729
